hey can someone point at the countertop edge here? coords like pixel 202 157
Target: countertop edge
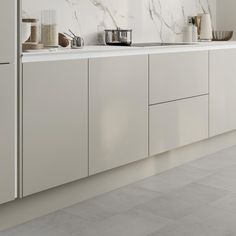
pixel 106 51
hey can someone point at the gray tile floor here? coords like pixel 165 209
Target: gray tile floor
pixel 196 199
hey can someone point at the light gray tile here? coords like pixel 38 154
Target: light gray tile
pixel 228 203
pixel 168 207
pixel 191 200
pixel 213 218
pixel 230 152
pixel 229 171
pixel 28 230
pixel 217 160
pixel 207 221
pixel 111 203
pixel 89 210
pixel 184 229
pixel 173 179
pixel 131 223
pixel 198 193
pixel 182 202
pixel 224 179
pixel 56 224
pixel 210 163
pixel 220 182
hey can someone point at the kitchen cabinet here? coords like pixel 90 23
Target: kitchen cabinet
pixel 176 76
pixel 178 123
pixel 118 111
pixel 7 133
pixel 55 123
pixel 7 30
pixel 222 91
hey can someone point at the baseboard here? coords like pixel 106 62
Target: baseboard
pixel 22 210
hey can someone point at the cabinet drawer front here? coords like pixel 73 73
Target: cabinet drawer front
pixel 55 124
pixel 7 133
pixel 118 118
pixel 178 123
pixel 178 75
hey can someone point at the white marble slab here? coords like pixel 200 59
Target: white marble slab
pixel 151 20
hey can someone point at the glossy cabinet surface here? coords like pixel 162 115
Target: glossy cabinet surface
pixel 178 75
pixel 55 123
pixel 7 133
pixel 118 111
pixel 222 91
pixel 86 116
pixel 178 123
pixel 7 30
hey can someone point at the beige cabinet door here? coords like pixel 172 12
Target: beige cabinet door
pixel 7 133
pixel 222 91
pixel 55 123
pixel 118 118
pixel 176 76
pixel 178 123
pixel 7 30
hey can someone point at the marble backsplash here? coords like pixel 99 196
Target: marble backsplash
pixel 151 20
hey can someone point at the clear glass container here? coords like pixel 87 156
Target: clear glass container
pixel 49 32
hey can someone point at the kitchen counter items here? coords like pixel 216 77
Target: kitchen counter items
pixel 122 37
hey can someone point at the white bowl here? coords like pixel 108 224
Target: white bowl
pixel 25 31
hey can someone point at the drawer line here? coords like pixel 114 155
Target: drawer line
pixel 158 103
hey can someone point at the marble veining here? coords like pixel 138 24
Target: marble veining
pixel 74 8
pixel 105 10
pixel 157 16
pixel 151 20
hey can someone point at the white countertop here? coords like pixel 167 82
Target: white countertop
pixel 108 51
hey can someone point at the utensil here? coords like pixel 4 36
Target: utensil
pixel 122 37
pixel 68 35
pixel 77 42
pixel 222 35
pixel 197 20
pixel 72 33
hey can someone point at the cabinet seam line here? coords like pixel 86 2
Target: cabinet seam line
pixel 148 108
pixel 209 75
pixel 88 128
pixel 180 99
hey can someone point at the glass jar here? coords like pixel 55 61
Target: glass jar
pixel 49 32
pixel 34 31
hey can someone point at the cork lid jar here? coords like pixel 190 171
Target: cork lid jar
pixel 34 35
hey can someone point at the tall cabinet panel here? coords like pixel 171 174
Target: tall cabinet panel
pixel 222 91
pixel 7 30
pixel 118 120
pixel 7 99
pixel 7 135
pixel 55 123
